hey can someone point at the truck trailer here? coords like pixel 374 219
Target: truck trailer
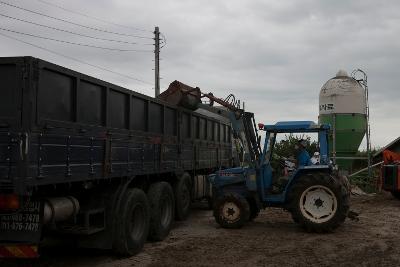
pixel 84 159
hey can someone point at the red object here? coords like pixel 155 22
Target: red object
pixel 19 251
pixel 390 157
pixel 261 126
pixel 9 202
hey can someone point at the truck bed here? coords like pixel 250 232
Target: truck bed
pixel 59 126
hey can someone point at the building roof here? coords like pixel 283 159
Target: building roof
pixel 388 146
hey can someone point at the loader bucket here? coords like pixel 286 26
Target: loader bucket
pixel 180 94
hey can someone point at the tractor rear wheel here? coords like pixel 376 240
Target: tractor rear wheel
pixel 231 210
pixel 319 202
pixel 396 194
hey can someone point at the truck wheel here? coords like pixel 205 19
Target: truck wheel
pixel 231 210
pixel 182 190
pixel 319 202
pixel 132 227
pixel 162 208
pixel 396 194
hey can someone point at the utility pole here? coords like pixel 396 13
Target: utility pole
pixel 157 61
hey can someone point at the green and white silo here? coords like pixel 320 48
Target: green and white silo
pixel 343 105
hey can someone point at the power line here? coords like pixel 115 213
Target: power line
pixel 73 43
pixel 91 17
pixel 75 33
pixel 75 59
pixel 73 23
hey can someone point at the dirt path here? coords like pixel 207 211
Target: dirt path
pixel 271 240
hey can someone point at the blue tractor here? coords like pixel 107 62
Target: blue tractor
pixel 316 195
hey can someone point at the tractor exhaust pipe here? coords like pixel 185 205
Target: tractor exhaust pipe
pixel 60 209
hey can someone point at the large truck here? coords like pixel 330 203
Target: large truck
pixel 91 161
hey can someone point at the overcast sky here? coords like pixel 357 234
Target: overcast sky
pixel 274 55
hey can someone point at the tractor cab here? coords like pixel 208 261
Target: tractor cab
pixel 277 172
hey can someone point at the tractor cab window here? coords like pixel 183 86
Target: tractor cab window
pixel 292 151
pixel 288 153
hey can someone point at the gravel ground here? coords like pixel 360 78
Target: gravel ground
pixel 271 240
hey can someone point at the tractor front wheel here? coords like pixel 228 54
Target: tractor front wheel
pixel 319 202
pixel 231 210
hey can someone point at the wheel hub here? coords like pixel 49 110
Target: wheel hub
pixel 231 211
pixel 318 203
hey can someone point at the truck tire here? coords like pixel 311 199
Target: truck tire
pixel 132 225
pixel 182 191
pixel 231 210
pixel 319 202
pixel 162 209
pixel 396 194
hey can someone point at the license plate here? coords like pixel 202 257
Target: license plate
pixel 24 225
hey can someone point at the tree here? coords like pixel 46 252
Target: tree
pixel 286 147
